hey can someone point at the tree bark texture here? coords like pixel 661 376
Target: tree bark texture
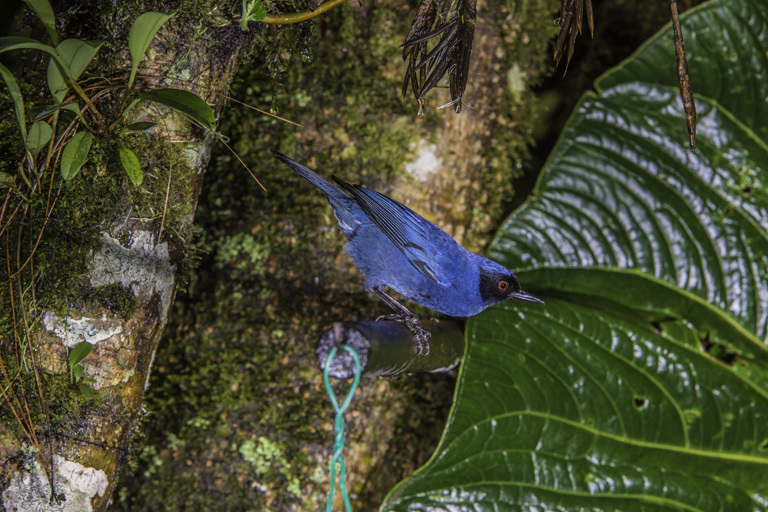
pixel 131 244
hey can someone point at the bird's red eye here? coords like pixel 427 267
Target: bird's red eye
pixel 503 285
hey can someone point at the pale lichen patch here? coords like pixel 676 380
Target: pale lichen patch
pixel 144 267
pixel 72 331
pixel 427 161
pixel 75 485
pixel 87 480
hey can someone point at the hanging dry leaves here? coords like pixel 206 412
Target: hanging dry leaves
pixel 428 61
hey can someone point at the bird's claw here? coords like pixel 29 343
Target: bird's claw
pixel 420 335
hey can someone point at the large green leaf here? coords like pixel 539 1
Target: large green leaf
pixel 74 57
pixel 187 103
pixel 43 10
pixel 140 36
pixel 642 384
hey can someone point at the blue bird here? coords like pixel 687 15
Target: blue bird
pixel 397 248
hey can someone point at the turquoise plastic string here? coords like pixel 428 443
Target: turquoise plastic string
pixel 338 445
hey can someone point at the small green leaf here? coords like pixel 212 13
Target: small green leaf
pixel 77 371
pixel 253 10
pixel 140 125
pixel 44 12
pixel 18 101
pixel 185 102
pixel 140 36
pixel 75 55
pixel 75 154
pixel 89 380
pixel 38 136
pixel 259 11
pixel 79 352
pixel 86 390
pixel 131 165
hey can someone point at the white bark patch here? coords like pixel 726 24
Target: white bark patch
pixel 86 480
pixel 72 331
pixel 144 267
pixel 426 163
pixel 31 491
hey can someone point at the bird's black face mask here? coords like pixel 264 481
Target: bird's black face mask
pixel 496 287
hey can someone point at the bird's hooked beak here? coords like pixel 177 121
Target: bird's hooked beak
pixel 526 297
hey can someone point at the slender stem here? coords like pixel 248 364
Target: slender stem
pixel 298 17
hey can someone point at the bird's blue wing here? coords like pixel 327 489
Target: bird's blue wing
pixel 409 231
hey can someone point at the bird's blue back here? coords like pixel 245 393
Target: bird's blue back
pixel 396 247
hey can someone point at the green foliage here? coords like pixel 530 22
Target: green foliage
pixel 132 166
pixel 253 10
pixel 183 102
pixel 78 354
pixel 38 136
pixel 44 12
pixel 245 254
pixel 18 101
pixel 75 154
pixel 265 456
pixel 641 384
pixel 143 31
pixel 74 56
pixel 69 59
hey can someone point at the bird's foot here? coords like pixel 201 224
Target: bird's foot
pixel 420 334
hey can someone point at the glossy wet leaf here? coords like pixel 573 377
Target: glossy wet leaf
pixel 75 154
pixel 642 384
pixel 38 136
pixel 74 55
pixel 140 36
pixel 184 102
pixel 132 166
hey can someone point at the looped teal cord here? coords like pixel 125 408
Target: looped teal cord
pixel 339 427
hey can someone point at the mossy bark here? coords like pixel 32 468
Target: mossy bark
pixel 239 416
pixel 109 260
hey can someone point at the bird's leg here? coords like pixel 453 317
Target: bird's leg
pixel 407 317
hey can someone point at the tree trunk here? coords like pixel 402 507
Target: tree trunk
pixel 109 260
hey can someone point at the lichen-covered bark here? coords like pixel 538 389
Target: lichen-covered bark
pixel 113 287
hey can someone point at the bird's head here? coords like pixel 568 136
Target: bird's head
pixel 498 284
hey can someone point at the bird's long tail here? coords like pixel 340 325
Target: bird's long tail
pixel 344 206
pixel 328 188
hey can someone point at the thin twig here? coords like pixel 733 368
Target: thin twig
pixel 298 17
pixel 241 161
pixel 686 91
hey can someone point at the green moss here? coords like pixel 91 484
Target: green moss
pixel 269 463
pixel 65 404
